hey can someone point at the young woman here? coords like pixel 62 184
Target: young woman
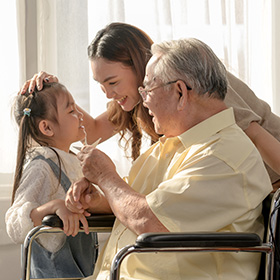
pixel 49 122
pixel 118 56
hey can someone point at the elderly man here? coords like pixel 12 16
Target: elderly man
pixel 203 175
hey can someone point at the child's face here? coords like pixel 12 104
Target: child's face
pixel 69 128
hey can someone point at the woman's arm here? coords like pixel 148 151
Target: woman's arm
pixel 268 146
pixel 99 127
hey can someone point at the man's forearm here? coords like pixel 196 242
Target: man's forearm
pixel 97 203
pixel 130 207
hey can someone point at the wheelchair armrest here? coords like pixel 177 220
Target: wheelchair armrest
pixel 96 220
pixel 205 239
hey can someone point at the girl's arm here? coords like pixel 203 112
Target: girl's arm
pixel 268 146
pixel 70 220
pixel 34 190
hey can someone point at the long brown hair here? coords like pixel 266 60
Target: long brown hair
pixel 121 42
pixel 29 110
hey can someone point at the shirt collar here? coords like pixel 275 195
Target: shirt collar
pixel 207 128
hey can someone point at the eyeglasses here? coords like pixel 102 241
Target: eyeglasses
pixel 145 92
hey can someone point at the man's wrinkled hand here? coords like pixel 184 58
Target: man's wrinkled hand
pixel 96 165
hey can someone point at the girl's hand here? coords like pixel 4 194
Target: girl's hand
pixel 84 198
pixel 71 221
pixel 37 80
pixel 74 196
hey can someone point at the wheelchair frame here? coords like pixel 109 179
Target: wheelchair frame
pixel 175 242
pixel 52 224
pixel 209 242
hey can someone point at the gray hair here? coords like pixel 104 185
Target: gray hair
pixel 192 61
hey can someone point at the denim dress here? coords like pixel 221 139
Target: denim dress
pixel 77 256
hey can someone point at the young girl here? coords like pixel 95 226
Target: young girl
pixel 49 123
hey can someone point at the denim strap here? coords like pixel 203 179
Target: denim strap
pixel 64 180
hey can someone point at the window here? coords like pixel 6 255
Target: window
pixel 9 75
pixel 53 36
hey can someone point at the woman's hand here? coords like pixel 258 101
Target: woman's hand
pixel 37 81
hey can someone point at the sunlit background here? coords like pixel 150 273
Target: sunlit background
pixel 53 35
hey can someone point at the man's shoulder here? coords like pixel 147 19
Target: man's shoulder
pixel 235 147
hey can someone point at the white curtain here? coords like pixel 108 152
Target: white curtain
pixel 239 31
pixel 9 80
pixel 275 56
pixel 53 35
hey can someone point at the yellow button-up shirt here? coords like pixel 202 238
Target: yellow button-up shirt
pixel 210 178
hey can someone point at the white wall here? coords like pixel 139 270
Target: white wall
pixel 10 253
pixel 276 55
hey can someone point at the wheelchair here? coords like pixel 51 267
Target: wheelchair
pixel 183 242
pixel 53 224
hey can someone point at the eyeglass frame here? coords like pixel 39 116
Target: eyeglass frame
pixel 145 92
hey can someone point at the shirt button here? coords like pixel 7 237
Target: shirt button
pixel 117 232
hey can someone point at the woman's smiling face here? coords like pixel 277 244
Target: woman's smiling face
pixel 117 81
